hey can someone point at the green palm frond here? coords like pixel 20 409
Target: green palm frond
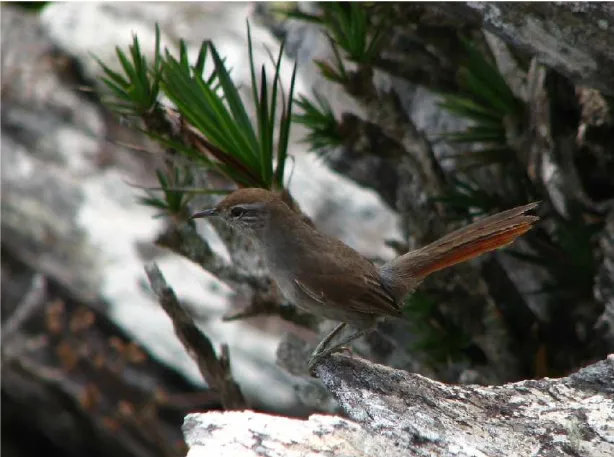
pixel 135 92
pixel 319 119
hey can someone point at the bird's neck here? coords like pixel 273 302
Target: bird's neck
pixel 285 235
pixel 287 227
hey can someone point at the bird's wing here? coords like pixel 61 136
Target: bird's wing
pixel 362 293
pixel 334 274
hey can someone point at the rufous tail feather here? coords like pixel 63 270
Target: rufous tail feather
pixel 404 273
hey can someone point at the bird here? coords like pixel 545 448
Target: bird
pixel 328 278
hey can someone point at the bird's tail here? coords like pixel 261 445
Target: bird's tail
pixel 403 274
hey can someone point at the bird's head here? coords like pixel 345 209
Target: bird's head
pixel 247 210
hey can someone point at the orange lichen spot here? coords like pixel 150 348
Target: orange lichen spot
pixel 82 319
pixel 99 360
pixel 67 354
pixel 111 423
pixel 116 343
pixel 90 397
pixel 134 353
pixel 53 318
pixel 160 396
pixel 125 408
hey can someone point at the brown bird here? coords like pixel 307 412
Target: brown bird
pixel 329 279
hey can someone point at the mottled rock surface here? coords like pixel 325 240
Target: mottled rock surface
pixel 398 413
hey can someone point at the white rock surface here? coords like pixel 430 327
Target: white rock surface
pixel 115 225
pixel 394 413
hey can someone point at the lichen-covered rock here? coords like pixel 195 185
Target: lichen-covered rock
pixel 575 38
pixel 398 413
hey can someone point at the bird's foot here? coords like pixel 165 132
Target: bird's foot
pixel 321 350
pixel 317 356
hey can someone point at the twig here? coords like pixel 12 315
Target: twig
pixel 185 241
pixel 216 371
pixel 34 298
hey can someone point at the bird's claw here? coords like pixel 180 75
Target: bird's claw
pixel 316 357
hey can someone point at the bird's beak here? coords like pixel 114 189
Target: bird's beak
pixel 204 213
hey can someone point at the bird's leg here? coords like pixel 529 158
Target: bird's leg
pixel 321 350
pixel 322 345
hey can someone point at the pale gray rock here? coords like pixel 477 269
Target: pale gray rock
pixel 398 413
pixel 573 37
pixel 78 222
pixel 69 207
pixel 250 434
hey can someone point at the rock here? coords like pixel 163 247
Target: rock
pixel 575 38
pixel 251 434
pixel 398 413
pixel 604 284
pixel 68 204
pixel 77 222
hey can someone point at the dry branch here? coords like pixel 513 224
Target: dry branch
pixel 215 370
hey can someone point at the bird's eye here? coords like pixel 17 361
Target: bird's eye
pixel 237 211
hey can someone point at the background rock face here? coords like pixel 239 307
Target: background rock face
pixel 75 239
pixel 69 208
pixel 573 37
pixel 415 416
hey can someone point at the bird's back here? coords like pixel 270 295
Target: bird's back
pixel 325 276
